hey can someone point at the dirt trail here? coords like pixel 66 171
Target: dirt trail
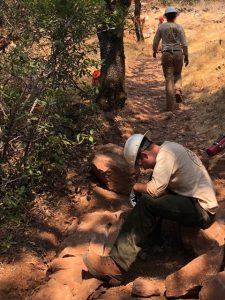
pixel 143 111
pixel 146 106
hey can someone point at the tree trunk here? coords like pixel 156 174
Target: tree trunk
pixel 137 21
pixel 112 93
pixel 112 83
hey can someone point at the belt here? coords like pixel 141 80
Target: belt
pixel 171 51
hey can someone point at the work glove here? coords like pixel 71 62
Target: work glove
pixel 133 198
pixel 186 61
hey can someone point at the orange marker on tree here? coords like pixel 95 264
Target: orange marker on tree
pixel 96 77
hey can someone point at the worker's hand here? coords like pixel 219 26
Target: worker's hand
pixel 186 61
pixel 140 188
pixel 154 54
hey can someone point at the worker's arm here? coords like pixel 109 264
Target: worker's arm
pixel 184 46
pixel 156 41
pixel 161 174
pixel 140 188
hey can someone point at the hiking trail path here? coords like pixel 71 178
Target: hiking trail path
pixel 144 110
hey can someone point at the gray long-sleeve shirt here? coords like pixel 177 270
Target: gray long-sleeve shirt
pixel 173 37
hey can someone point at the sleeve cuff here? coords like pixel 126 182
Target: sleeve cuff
pixel 152 189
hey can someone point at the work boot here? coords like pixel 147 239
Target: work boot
pixel 103 267
pixel 178 97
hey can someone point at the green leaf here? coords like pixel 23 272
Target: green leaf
pixel 78 137
pixel 91 139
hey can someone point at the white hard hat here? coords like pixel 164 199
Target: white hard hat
pixel 170 10
pixel 132 147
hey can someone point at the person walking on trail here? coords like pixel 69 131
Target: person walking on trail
pixel 174 52
pixel 180 190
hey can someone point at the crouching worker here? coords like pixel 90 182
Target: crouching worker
pixel 180 190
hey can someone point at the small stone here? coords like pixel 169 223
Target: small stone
pixel 187 127
pixel 72 226
pixel 49 238
pixel 144 288
pixel 77 190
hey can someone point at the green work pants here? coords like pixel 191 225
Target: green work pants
pixel 172 64
pixel 141 221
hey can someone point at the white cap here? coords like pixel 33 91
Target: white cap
pixel 170 10
pixel 132 147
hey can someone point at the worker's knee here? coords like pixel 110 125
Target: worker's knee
pixel 146 200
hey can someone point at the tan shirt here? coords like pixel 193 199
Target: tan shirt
pixel 172 35
pixel 181 171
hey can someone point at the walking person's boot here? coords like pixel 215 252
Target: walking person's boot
pixel 178 96
pixel 103 267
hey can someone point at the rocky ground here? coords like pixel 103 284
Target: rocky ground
pixel 60 230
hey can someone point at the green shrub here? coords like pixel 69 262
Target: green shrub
pixel 41 74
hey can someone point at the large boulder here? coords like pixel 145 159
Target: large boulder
pixel 197 241
pixel 217 230
pixel 214 288
pixel 188 280
pixel 110 168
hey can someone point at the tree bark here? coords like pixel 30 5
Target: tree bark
pixel 137 21
pixel 112 83
pixel 112 93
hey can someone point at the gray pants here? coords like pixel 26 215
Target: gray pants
pixel 172 64
pixel 140 223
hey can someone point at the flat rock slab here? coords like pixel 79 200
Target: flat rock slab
pixel 86 289
pixel 107 200
pixel 110 168
pixel 188 280
pixel 67 271
pixel 96 231
pixel 145 288
pixel 54 290
pixel 69 279
pixel 214 288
